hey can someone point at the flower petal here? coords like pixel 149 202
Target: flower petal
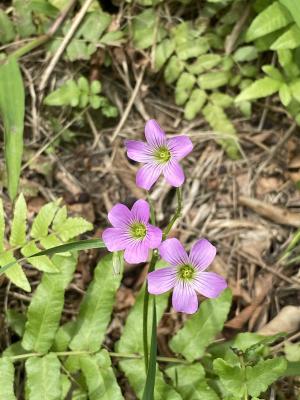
pixel 115 239
pixel 209 284
pixel 138 151
pixel 202 254
pixel 154 236
pixel 155 136
pixel 161 280
pixel 136 252
pixel 148 175
pixel 180 146
pixel 172 251
pixel 119 216
pixel 141 211
pixel 184 298
pixel 173 173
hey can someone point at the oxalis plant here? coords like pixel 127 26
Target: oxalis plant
pixel 69 360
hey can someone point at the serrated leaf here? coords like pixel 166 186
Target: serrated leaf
pixel 18 227
pixel 261 88
pixel 189 381
pixel 200 330
pixel 42 263
pixel 12 111
pixel 265 372
pixel 184 88
pixel 43 220
pixel 2 226
pixel 173 69
pixel 163 52
pixel 294 8
pixel 225 131
pixel 43 378
pixel 203 63
pixel 271 19
pixel 194 104
pixel 96 308
pixel 7 375
pixel 7 32
pixel 15 273
pixel 289 40
pixel 100 378
pixel 73 227
pixel 231 376
pixel 46 306
pixel 16 321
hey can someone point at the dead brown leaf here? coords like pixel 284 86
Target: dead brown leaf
pixel 287 320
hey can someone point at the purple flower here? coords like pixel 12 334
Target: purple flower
pixel 132 232
pixel 160 156
pixel 186 274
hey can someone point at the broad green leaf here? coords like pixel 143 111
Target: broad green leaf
pixel 245 341
pixel 265 372
pixel 112 38
pixel 16 321
pixel 292 351
pixel 225 131
pixel 2 226
pixel 231 376
pixel 289 40
pixel 42 263
pixel 7 375
pixel 203 63
pixel 12 110
pixel 46 306
pixel 100 378
pixel 15 273
pixel 221 99
pixel 285 94
pixel 295 89
pixel 194 104
pixel 7 32
pixel 271 19
pixel 23 15
pixel 43 220
pixel 189 381
pixel 261 88
pixel 200 330
pixel 73 227
pixel 96 308
pixel 99 20
pixel 192 48
pixel 132 342
pixel 272 72
pixel 163 52
pixel 18 226
pixel 14 349
pixel 60 217
pixel 245 53
pixel 294 8
pixel 285 57
pixel 184 88
pixel 63 336
pixel 173 69
pixel 213 80
pixel 145 29
pixel 43 378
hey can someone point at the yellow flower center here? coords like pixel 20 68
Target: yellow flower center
pixel 162 154
pixel 138 230
pixel 186 272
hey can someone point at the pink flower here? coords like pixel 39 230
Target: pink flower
pixel 160 156
pixel 132 232
pixel 186 274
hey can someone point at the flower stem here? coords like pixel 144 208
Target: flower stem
pixel 176 215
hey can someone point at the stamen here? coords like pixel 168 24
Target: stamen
pixel 138 230
pixel 186 272
pixel 162 154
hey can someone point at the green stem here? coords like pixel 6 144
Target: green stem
pixel 242 363
pixel 176 215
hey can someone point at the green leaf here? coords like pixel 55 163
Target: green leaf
pixel 144 28
pixel 294 8
pixel 221 99
pixel 43 378
pixel 42 263
pixel 99 20
pixel 293 369
pixel 96 308
pixel 112 38
pixel 289 40
pixel 231 376
pixel 96 87
pixel 272 72
pixel 292 351
pixel 213 80
pixel 65 386
pixel 247 340
pixel 295 89
pixel 14 349
pixel 15 272
pixel 73 227
pixel 43 220
pixel 67 94
pixel 63 336
pixel 173 69
pixel 18 227
pixel 261 88
pixel 12 111
pixel 203 63
pixel 189 381
pixel 285 94
pixel 192 48
pixel 23 15
pixel 271 19
pixel 46 306
pixel 265 372
pixel 200 330
pixel 7 374
pixel 163 52
pixel 245 53
pixel 194 104
pixel 225 131
pixel 184 88
pixel 16 321
pixel 7 32
pixel 100 378
pixel 2 226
